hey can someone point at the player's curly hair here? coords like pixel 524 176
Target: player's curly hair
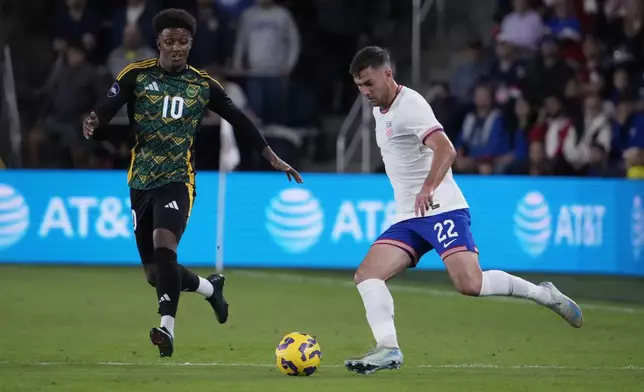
pixel 174 18
pixel 370 56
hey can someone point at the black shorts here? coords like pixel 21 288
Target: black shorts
pixel 167 207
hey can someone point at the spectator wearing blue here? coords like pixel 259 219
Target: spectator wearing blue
pixel 508 72
pixel 234 9
pixel 627 125
pixel 269 41
pixel 483 139
pixel 469 72
pixel 563 24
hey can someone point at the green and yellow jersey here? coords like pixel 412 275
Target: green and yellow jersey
pixel 165 110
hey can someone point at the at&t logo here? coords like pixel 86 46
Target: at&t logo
pixel 14 216
pixel 295 220
pixel 532 224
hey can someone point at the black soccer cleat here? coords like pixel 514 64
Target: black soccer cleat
pixel 160 337
pixel 217 300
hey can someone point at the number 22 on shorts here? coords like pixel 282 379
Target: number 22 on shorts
pixel 444 231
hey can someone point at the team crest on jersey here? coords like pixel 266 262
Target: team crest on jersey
pixel 114 90
pixel 389 130
pixel 192 91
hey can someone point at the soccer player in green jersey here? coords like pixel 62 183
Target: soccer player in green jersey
pixel 166 99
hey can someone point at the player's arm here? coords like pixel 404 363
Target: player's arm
pixel 119 93
pixel 425 126
pixel 444 156
pixel 221 104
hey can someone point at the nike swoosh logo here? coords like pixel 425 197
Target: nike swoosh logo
pixel 445 245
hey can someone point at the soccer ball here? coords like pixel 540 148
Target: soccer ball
pixel 298 354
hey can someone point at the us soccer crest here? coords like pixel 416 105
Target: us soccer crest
pixel 389 131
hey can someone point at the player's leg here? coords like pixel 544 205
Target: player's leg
pixel 394 251
pixel 170 208
pixel 212 287
pixel 453 237
pixel 464 270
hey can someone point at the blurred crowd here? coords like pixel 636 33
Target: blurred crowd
pixel 556 89
pixel 266 53
pixel 560 91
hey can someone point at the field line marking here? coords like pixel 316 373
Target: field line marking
pixel 413 289
pixel 266 365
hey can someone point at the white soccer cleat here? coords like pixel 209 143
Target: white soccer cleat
pixel 564 306
pixel 376 359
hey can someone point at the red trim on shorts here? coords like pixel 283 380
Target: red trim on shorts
pixel 412 253
pixel 429 132
pixel 457 249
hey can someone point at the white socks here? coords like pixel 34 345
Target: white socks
pixel 501 283
pixel 205 288
pixel 168 323
pixel 379 306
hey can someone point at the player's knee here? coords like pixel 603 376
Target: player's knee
pixel 468 285
pixel 164 239
pixel 151 274
pixel 358 277
pixel 164 256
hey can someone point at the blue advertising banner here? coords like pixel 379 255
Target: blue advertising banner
pixel 519 223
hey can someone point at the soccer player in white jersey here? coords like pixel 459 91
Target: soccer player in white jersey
pixel 431 214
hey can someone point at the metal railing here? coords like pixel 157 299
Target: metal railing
pixel 361 106
pixel 420 10
pixel 344 153
pixel 13 115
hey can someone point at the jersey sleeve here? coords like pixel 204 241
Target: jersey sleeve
pixel 419 119
pixel 221 104
pixel 119 93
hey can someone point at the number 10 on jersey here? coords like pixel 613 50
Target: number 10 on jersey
pixel 175 105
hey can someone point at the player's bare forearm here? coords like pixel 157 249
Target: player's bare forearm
pixel 270 155
pixel 444 156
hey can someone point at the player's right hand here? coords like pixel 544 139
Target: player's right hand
pixel 90 123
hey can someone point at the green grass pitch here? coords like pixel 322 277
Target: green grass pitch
pixel 86 329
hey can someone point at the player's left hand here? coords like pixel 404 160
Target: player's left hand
pixel 424 201
pixel 280 165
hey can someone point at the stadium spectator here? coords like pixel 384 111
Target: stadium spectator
pixel 626 33
pixel 210 46
pixel 523 26
pixel 133 49
pixel 537 163
pixel 71 93
pixel 627 127
pixel 634 162
pixel 269 41
pixel 564 26
pixel 483 138
pixel 76 23
pixel 520 125
pixel 469 72
pixel 548 74
pixel 594 67
pixel 508 72
pixel 446 107
pixel 140 12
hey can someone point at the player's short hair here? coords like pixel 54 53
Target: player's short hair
pixel 174 18
pixel 370 56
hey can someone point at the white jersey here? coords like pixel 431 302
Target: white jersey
pixel 400 131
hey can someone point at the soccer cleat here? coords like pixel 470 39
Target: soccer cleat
pixel 564 306
pixel 217 300
pixel 376 359
pixel 160 337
